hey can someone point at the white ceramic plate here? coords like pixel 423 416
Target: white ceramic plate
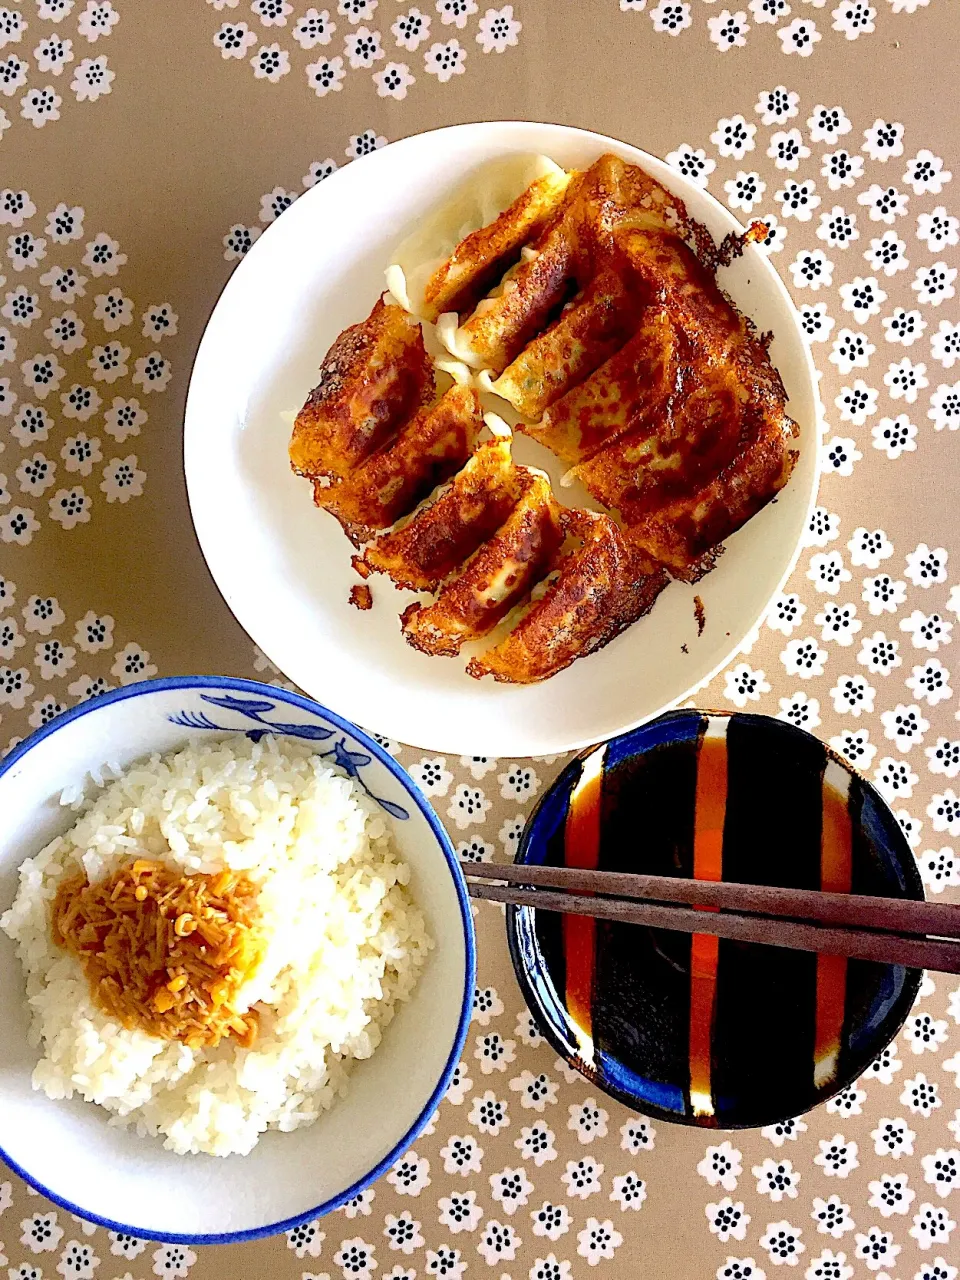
pixel 284 567
pixel 69 1150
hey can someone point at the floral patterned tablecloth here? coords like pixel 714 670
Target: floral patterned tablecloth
pixel 145 145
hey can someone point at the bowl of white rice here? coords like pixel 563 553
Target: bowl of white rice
pixel 227 1102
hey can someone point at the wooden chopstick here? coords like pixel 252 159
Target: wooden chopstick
pixel 888 930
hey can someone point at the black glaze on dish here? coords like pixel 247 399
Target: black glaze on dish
pixel 763 1035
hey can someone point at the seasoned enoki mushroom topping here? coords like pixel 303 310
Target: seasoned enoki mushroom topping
pixel 165 952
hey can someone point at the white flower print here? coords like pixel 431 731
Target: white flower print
pixel 432 775
pixel 885 204
pixel 80 452
pixel 319 170
pixel 97 19
pixel 582 1177
pixel 21 306
pixel 132 663
pixel 841 169
pixel 498 1243
pixel 811 269
pixel 938 228
pixel 122 479
pixel 510 1188
pixel 869 547
pixel 827 572
pixel 124 418
pixel 837 1157
pixel 551 1220
pixel 40 105
pixel 931 1225
pixel 10 638
pixel 65 284
pixel 904 726
pixel 925 174
pixel 928 631
pixel 445 60
pixel 103 256
pixel 945 407
pixel 903 327
pixel 80 402
pixel 837 227
pixel 783 1243
pixel 876 1248
pixel 853 695
pixel 827 124
pixel 924 567
pixel 776 105
pixel 498 30
pixel 124 1245
pixel 94 633
pixel 587 1120
pixel 36 474
pixel 493 1052
pixel 721 1166
pixel 314 28
pixel 921 1097
pixel 636 1135
pixel 92 79
pixel 456 12
pixel 519 782
pixel 326 76
pixel 109 362
pixel 857 402
pixel 798 199
pixel 728 1220
pixel 403 1231
pixel 838 623
pixel 362 48
pixel 851 351
pixel 25 250
pixel 787 149
pixel 70 507
pixel 776 1179
pixel 394 80
pixel 18 526
pixel 598 1240
pixel 894 436
pixel 942 758
pixel 930 683
pixel 887 253
pixel 822 528
pixel 849 1102
pixel 270 62
pixel 489 1113
pixel 411 30
pixel 535 1091
pixel 883 140
pixel 112 310
pixel 862 296
pixel 894 779
pixel 945 344
pixel 839 456
pixel 152 372
pixel 891 1194
pixel 42 615
pixel 629 1191
pixel 409 1174
pixel 799 37
pixel 362 144
pixel 883 595
pixel 923 1033
pixel 855 746
pixel 13 70
pixel 458 1212
pixel 671 17
pixel 804 658
pixel 173 1260
pixel 692 163
pixel 734 137
pixel 356 1259
pixel 728 30
pixel 357 10
pixel 944 809
pixel 878 654
pixel 829 1266
pixel 885 1066
pixel 41 1233
pixel 360 1204
pixel 744 191
pixel 785 613
pixel 536 1143
pixel 905 379
pixel 934 284
pixel 744 685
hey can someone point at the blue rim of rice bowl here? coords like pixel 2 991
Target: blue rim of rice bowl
pixel 466 919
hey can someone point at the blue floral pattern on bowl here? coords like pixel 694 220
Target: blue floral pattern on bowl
pixel 256 709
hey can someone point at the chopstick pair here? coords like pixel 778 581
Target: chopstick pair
pixel 919 935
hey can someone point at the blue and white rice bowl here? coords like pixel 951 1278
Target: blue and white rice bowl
pixel 131 1183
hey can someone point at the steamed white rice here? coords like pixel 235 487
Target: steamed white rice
pixel 346 943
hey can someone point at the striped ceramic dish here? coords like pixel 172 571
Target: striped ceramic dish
pixel 691 1028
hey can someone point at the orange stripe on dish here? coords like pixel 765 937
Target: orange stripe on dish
pixel 582 849
pixel 709 814
pixel 836 876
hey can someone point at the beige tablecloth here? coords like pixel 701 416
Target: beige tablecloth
pixel 145 146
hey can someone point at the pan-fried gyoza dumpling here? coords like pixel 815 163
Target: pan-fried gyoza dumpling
pixel 499 575
pixel 456 254
pixel 442 535
pixel 373 378
pixel 599 586
pixel 429 448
